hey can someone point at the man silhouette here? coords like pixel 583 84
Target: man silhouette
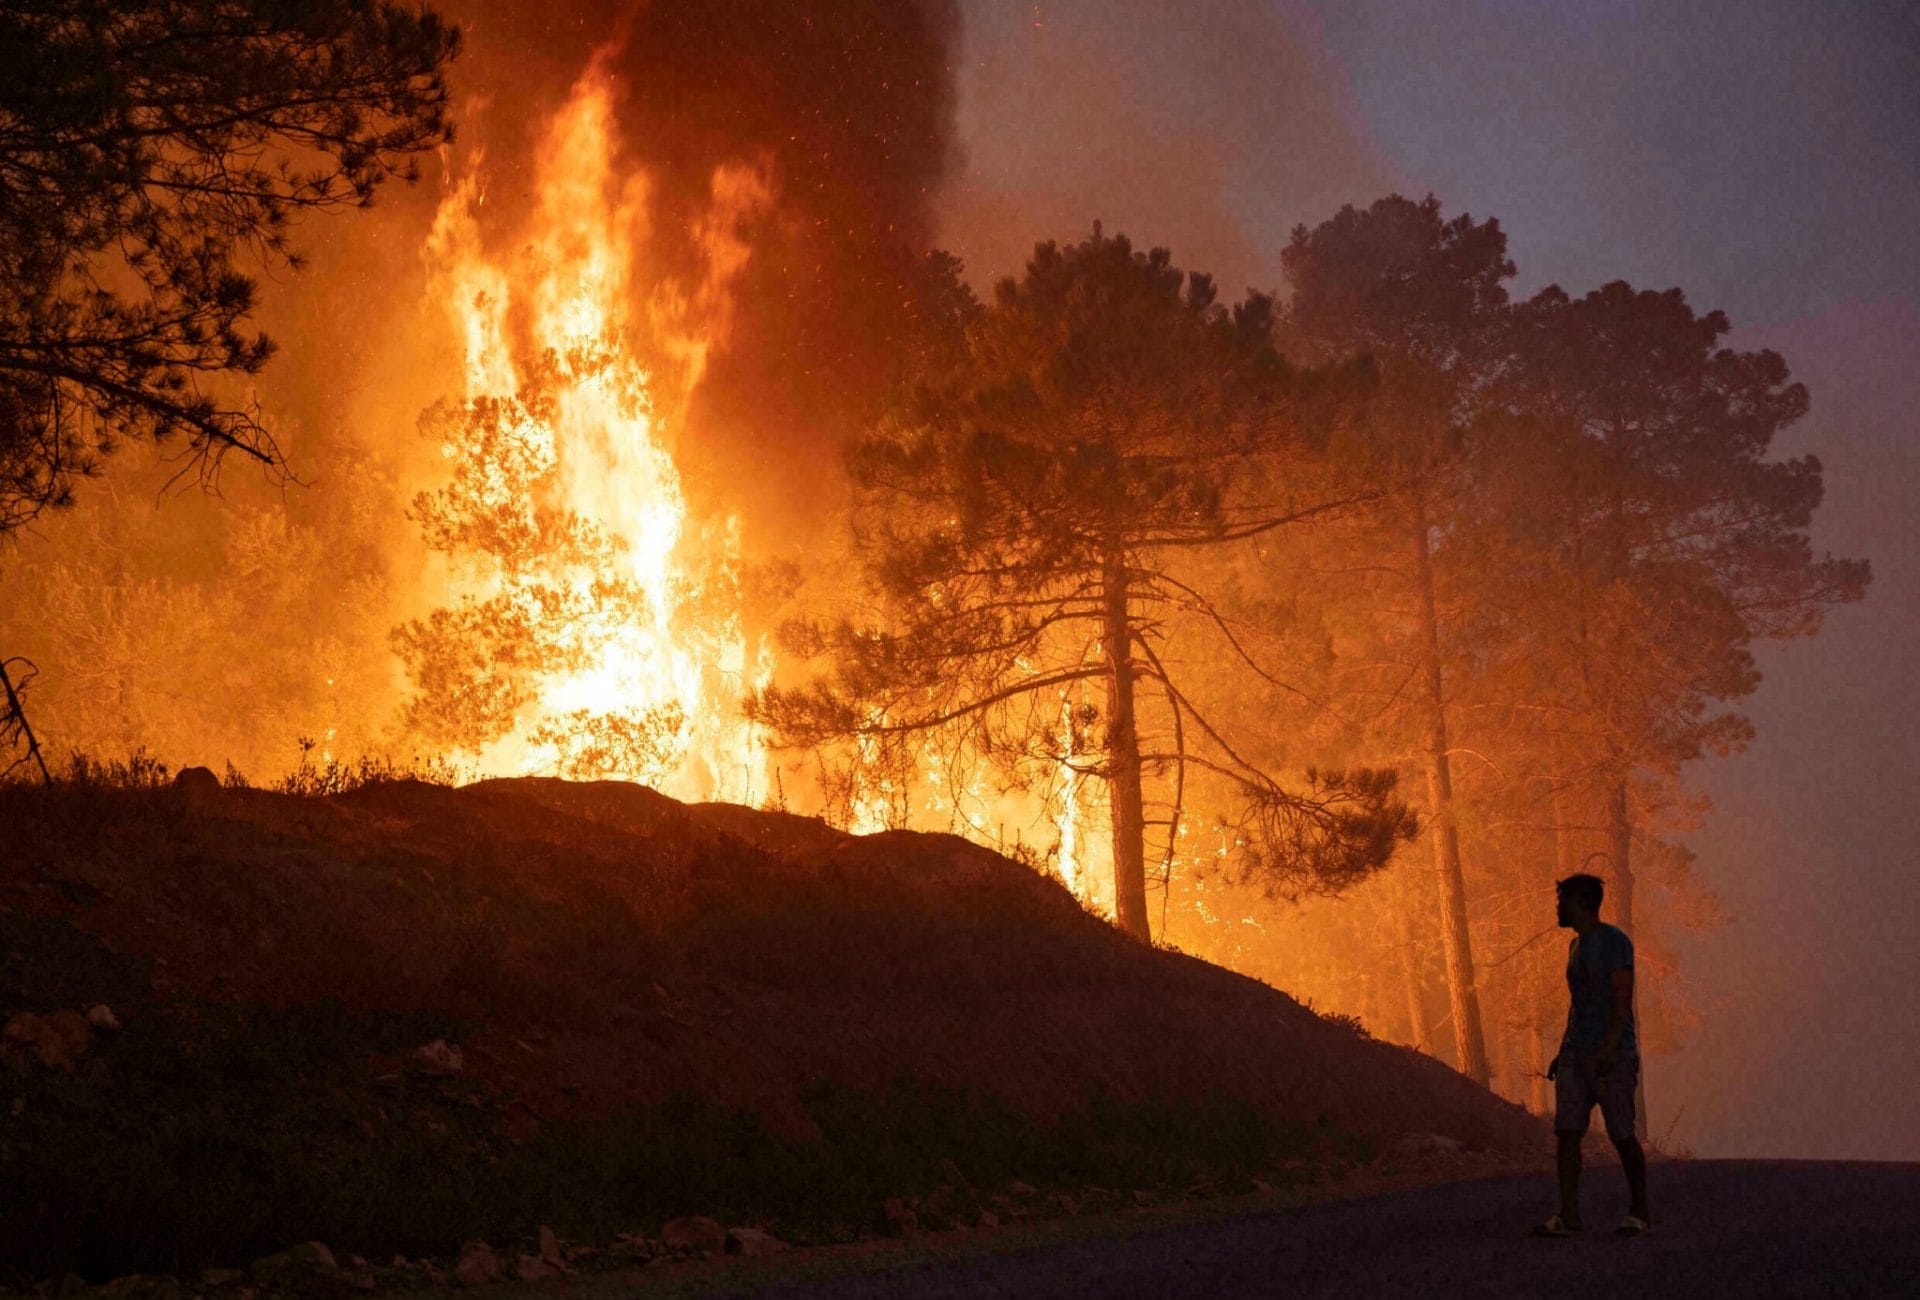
pixel 1599 1060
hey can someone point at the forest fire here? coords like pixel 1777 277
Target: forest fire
pixel 607 625
pixel 891 539
pixel 594 628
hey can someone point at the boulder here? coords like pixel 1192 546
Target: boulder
pixel 532 1268
pixel 280 1271
pixel 438 1057
pixel 694 1234
pixel 73 1031
pixel 1427 1144
pixel 195 782
pixel 550 1247
pixel 56 1039
pixel 101 1016
pixel 145 1286
pixel 753 1242
pixel 478 1265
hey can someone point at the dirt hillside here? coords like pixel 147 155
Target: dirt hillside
pixel 609 947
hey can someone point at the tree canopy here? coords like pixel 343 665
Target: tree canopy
pixel 148 153
pixel 1024 516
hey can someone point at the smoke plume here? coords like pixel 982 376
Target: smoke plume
pixel 847 109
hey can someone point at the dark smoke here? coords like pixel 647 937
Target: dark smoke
pixel 849 106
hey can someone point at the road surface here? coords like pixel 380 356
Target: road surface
pixel 1721 1228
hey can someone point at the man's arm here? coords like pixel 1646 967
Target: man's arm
pixel 1617 1016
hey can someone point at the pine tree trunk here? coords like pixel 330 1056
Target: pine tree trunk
pixel 1503 1053
pixel 1469 1041
pixel 1410 976
pixel 1123 758
pixel 1551 987
pixel 1620 849
pixel 1620 852
pixel 1545 1042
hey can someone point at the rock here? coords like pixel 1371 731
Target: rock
pixel 694 1234
pixel 988 1219
pixel 197 782
pixel 101 1016
pixel 316 1253
pixel 55 1040
pixel 275 1271
pixel 215 1278
pixel 753 1242
pixel 550 1247
pixel 73 1031
pixel 902 1221
pixel 144 1286
pixel 478 1265
pixel 531 1268
pixel 1018 1188
pixel 1427 1144
pixel 438 1057
pixel 1141 1196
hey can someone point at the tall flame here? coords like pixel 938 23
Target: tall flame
pixel 646 688
pixel 577 365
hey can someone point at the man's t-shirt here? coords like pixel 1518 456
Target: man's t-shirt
pixel 1591 962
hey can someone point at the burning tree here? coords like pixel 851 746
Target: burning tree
pixel 559 592
pixel 146 150
pixel 1028 519
pixel 593 630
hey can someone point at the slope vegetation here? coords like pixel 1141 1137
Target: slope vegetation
pixel 594 951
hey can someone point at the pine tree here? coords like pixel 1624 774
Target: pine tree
pixel 148 153
pixel 1421 298
pixel 1024 517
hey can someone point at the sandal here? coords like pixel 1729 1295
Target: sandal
pixel 1631 1226
pixel 1556 1227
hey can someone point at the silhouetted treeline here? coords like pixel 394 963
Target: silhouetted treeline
pixel 1517 553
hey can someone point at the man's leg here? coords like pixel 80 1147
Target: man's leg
pixel 1616 1107
pixel 1634 1161
pixel 1570 1178
pixel 1573 1097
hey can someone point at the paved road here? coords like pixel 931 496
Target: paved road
pixel 1723 1228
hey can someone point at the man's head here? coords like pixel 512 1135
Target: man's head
pixel 1579 900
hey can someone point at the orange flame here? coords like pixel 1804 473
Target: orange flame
pixel 661 678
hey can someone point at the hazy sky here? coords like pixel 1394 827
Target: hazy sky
pixel 1764 156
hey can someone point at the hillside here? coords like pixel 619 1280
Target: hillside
pixel 596 950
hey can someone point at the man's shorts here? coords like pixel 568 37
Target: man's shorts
pixel 1577 1089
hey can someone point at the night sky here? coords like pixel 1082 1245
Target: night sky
pixel 1765 157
